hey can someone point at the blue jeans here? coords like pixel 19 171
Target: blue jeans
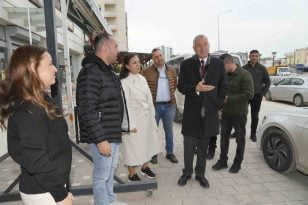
pixel 166 113
pixel 103 174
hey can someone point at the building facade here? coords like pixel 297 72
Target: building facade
pixel 167 51
pixel 301 56
pixel 114 13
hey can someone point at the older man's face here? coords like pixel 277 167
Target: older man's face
pixel 202 47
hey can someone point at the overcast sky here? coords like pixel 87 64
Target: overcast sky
pixel 266 25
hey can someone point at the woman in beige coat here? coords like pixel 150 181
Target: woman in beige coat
pixel 142 142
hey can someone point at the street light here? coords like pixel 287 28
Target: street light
pixel 225 12
pixel 274 55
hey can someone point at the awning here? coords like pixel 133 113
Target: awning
pixel 87 16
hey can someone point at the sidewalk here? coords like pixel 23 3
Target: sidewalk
pixel 255 184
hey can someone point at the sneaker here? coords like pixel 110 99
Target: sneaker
pixel 148 172
pixel 118 203
pixel 154 159
pixel 172 158
pixel 220 165
pixel 253 138
pixel 134 178
pixel 235 167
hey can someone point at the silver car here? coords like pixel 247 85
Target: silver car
pixel 284 140
pixel 291 89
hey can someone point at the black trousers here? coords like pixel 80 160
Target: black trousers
pixel 255 105
pixel 239 124
pixel 190 145
pixel 212 143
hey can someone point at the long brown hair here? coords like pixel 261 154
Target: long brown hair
pixel 22 83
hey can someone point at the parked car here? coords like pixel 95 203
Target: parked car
pixel 284 140
pixel 180 99
pixel 290 89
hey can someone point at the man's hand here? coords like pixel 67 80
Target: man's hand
pixel 204 88
pixel 104 148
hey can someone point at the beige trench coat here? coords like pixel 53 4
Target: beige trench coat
pixel 139 147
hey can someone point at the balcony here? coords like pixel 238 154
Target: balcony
pixel 109 14
pixel 110 2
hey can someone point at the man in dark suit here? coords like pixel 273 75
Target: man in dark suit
pixel 202 81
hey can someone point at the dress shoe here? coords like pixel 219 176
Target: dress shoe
pixel 232 135
pixel 253 138
pixel 235 168
pixel 210 154
pixel 183 180
pixel 203 182
pixel 172 158
pixel 220 165
pixel 154 159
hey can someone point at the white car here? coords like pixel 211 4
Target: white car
pixel 290 89
pixel 176 62
pixel 284 140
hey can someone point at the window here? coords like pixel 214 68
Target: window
pixel 297 81
pixel 286 81
pixel 175 63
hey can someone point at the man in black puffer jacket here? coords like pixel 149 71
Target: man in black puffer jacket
pixel 101 110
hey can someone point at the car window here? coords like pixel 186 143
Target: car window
pixel 297 81
pixel 286 81
pixel 175 63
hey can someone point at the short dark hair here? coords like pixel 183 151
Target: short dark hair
pixel 228 58
pixel 254 51
pixel 100 39
pixel 223 56
pixel 154 50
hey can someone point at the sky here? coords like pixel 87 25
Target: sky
pixel 266 25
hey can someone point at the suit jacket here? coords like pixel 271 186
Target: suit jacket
pixel 212 101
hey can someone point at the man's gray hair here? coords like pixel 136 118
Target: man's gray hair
pixel 199 37
pixel 100 39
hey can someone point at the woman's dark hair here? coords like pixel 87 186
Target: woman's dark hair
pixel 24 83
pixel 124 71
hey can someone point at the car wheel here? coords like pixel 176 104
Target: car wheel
pixel 268 96
pixel 277 151
pixel 298 100
pixel 178 117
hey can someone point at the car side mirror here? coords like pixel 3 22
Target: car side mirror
pixel 275 84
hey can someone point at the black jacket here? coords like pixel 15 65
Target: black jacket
pixel 260 77
pixel 212 101
pixel 41 147
pixel 99 102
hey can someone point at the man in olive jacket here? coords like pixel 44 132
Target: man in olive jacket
pixel 234 113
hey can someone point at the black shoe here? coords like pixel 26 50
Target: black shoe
pixel 220 165
pixel 232 135
pixel 253 138
pixel 196 151
pixel 134 178
pixel 210 154
pixel 235 167
pixel 154 159
pixel 183 180
pixel 203 182
pixel 148 172
pixel 172 158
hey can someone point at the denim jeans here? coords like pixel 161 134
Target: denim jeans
pixel 103 174
pixel 166 113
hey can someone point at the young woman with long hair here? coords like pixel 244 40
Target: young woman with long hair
pixel 37 133
pixel 142 142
